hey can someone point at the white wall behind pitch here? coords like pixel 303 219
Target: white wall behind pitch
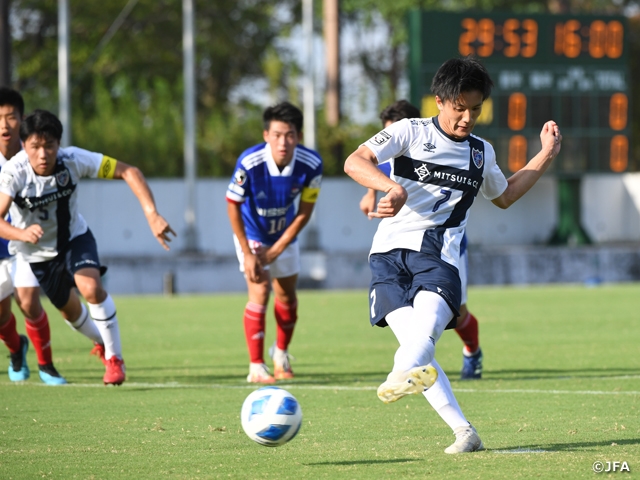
pixel 611 206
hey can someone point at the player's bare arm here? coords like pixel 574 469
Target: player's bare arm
pixel 521 181
pixel 138 185
pixel 268 255
pixel 31 234
pixel 361 166
pixel 252 263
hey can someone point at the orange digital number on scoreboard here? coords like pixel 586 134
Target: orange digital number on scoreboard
pixel 483 37
pixel 600 39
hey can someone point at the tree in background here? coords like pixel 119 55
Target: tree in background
pixel 131 89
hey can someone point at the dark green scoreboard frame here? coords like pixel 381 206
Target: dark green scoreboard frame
pixel 569 68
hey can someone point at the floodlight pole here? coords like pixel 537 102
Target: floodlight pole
pixel 190 159
pixel 309 84
pixel 5 45
pixel 64 93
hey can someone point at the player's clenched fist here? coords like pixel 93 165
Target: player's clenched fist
pixel 391 203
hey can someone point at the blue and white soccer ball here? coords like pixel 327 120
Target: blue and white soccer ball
pixel 271 416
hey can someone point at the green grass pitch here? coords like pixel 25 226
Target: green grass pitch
pixel 561 390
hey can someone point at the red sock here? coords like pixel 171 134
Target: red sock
pixel 254 331
pixel 468 331
pixel 286 317
pixel 9 335
pixel 40 335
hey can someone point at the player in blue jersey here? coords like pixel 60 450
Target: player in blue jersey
pixel 467 326
pixel 437 168
pixel 15 273
pixel 261 197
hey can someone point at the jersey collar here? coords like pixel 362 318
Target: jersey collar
pixel 274 171
pixel 437 124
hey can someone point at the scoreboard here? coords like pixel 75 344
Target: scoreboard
pixel 569 68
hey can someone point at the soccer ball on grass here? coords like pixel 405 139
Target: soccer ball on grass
pixel 271 416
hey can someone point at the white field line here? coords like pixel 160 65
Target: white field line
pixel 294 386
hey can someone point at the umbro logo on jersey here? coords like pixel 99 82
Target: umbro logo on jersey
pixel 422 171
pixel 429 147
pixel 261 195
pixel 381 138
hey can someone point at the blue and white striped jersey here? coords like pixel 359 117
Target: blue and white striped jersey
pixel 442 177
pixel 267 194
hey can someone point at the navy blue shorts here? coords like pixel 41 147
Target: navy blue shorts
pixel 397 276
pixel 56 275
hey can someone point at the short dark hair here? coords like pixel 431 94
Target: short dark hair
pixel 41 123
pixel 9 96
pixel 461 75
pixel 399 110
pixel 283 112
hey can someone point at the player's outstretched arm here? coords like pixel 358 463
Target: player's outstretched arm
pixel 525 178
pixel 138 185
pixel 31 234
pixel 361 165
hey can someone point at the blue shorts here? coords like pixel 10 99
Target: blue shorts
pixel 56 275
pixel 397 276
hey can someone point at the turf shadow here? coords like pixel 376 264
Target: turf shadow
pixel 363 462
pixel 567 447
pixel 556 373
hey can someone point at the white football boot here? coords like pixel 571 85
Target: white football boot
pixel 399 384
pixel 467 440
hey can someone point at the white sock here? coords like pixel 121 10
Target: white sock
pixel 418 328
pixel 441 398
pixel 105 318
pixel 84 325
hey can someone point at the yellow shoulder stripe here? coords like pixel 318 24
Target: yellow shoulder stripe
pixel 309 195
pixel 107 167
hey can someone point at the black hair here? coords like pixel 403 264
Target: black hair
pixel 283 112
pixel 9 96
pixel 41 123
pixel 461 75
pixel 399 110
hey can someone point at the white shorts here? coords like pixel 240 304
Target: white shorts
pixel 6 285
pixel 286 265
pixel 463 265
pixel 21 274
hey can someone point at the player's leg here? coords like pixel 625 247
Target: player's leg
pixel 27 296
pixel 254 321
pixel 417 329
pixel 255 327
pixel 103 311
pixel 467 329
pixel 284 271
pixel 16 343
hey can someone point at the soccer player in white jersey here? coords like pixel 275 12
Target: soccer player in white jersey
pixel 261 197
pixel 437 169
pixel 52 236
pixel 16 275
pixel 467 325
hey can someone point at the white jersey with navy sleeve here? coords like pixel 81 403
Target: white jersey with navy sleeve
pixel 442 177
pixel 267 194
pixel 50 201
